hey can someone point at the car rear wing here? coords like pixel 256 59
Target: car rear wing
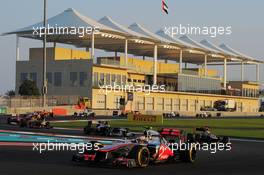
pixel 170 132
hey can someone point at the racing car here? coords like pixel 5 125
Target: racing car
pixel 36 122
pixel 15 120
pixel 84 114
pixel 150 148
pixel 171 115
pixel 121 132
pixel 204 135
pixel 97 128
pixel 31 120
pixel 104 129
pixel 204 114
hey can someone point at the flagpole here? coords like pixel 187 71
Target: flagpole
pixel 44 90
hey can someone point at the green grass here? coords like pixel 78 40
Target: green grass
pixel 213 123
pixel 250 128
pixel 69 124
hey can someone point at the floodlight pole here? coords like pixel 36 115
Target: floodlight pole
pixel 155 65
pixel 205 65
pixel 92 48
pixel 242 71
pixel 257 72
pixel 44 89
pixel 126 47
pixel 180 62
pixel 225 73
pixel 17 48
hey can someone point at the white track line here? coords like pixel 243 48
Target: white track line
pixel 69 129
pixel 61 135
pixel 22 144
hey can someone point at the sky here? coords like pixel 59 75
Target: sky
pixel 245 17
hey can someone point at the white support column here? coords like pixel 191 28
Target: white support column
pixel 242 71
pixel 126 48
pixel 224 71
pixel 205 65
pixel 17 48
pixel 155 64
pixel 180 62
pixel 92 48
pixel 257 72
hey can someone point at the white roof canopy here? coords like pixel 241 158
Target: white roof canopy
pixel 139 29
pixel 210 45
pixel 239 54
pixel 68 18
pixel 141 41
pixel 162 34
pixel 109 22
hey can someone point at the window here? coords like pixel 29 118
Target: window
pixel 108 79
pixel 49 77
pixel 73 78
pixel 23 77
pixel 33 76
pixel 83 79
pixel 102 79
pixel 118 79
pixel 129 79
pixel 95 79
pixel 123 79
pixel 113 79
pixel 57 79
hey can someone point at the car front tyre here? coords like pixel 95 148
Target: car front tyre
pixel 188 156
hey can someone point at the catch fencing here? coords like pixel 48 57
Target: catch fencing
pixel 23 102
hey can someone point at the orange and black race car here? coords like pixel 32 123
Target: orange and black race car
pixel 31 120
pixel 152 147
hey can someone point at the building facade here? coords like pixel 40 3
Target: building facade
pixel 72 72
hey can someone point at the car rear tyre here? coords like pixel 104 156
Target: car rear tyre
pixel 8 121
pixel 226 139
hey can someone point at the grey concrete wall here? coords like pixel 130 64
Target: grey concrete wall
pixel 65 67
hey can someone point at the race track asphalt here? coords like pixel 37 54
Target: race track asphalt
pixel 244 158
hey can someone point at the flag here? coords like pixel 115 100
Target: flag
pixel 164 7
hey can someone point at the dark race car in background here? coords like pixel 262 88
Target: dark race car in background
pixel 15 120
pixel 204 135
pixel 103 128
